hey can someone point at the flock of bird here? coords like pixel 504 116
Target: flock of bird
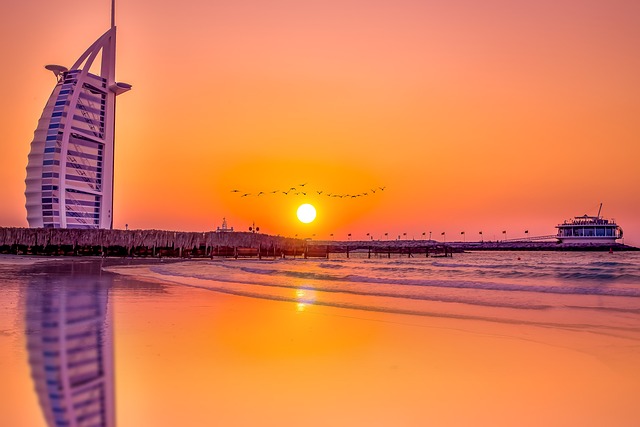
pixel 300 190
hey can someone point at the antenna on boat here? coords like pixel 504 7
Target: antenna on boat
pixel 599 209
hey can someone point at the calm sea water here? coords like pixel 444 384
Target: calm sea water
pixel 581 289
pixel 586 302
pixel 548 288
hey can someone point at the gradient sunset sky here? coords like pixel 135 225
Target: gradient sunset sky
pixel 474 116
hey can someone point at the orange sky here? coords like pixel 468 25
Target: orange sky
pixel 492 116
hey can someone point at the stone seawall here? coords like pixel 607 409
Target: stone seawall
pixel 14 240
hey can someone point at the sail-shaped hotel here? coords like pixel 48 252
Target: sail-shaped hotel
pixel 69 180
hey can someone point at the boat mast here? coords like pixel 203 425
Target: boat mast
pixel 599 209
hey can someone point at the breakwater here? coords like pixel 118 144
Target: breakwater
pixel 98 242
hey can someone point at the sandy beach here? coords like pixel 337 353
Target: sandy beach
pixel 194 357
pixel 247 361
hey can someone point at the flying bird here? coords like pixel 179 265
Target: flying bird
pixel 246 194
pixel 319 192
pixel 260 193
pixel 235 191
pixel 382 188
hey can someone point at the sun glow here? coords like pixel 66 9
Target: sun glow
pixel 306 213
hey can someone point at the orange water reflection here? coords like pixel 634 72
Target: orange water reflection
pixel 192 357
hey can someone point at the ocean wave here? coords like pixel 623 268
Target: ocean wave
pixel 330 266
pixel 594 280
pixel 506 287
pixel 392 285
pixel 369 293
pixel 382 306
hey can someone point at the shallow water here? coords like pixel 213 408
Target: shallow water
pixel 590 290
pixel 513 338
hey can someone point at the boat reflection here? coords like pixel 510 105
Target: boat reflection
pixel 70 346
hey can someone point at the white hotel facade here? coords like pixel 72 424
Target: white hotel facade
pixel 69 181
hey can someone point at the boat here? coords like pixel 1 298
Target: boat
pixel 589 229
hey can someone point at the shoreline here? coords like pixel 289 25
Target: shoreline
pixel 221 354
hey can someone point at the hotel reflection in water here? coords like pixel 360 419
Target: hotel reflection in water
pixel 70 346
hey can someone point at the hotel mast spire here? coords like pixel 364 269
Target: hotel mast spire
pixel 69 181
pixel 113 13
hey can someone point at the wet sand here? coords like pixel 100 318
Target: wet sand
pixel 240 361
pixel 192 357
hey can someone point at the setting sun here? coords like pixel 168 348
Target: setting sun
pixel 306 213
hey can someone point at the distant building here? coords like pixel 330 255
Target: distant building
pixel 69 181
pixel 224 228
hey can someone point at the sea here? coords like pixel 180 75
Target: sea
pixel 563 289
pixel 587 302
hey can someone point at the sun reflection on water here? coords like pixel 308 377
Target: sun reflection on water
pixel 304 296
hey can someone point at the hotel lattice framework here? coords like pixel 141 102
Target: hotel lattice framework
pixel 69 180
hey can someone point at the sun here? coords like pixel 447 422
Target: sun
pixel 306 213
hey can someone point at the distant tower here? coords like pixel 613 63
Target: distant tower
pixel 69 180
